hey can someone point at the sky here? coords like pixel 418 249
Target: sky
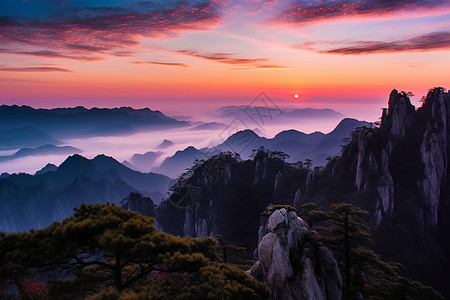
pixel 187 57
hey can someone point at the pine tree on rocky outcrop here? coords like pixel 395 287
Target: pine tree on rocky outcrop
pixel 364 273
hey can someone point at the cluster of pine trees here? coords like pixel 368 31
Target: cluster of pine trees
pixel 106 252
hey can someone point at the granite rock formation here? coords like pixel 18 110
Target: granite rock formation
pixel 292 264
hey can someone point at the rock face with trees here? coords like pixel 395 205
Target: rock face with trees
pixel 397 172
pixel 225 195
pixel 292 263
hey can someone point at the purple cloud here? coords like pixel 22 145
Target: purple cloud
pixel 83 32
pixel 313 11
pixel 426 42
pixel 174 64
pixel 230 59
pixel 225 58
pixel 34 69
pixel 53 54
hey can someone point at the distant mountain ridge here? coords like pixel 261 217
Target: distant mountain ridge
pixel 316 146
pixel 28 201
pixel 175 165
pixel 24 137
pixel 277 112
pixel 165 144
pixel 41 150
pixel 80 121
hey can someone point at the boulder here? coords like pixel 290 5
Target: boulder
pixel 292 264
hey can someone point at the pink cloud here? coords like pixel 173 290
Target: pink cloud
pixel 427 42
pixel 97 31
pixel 308 12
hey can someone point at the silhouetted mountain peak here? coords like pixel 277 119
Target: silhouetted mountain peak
pixel 187 151
pixel 290 134
pixel 210 126
pixel 76 158
pixel 146 155
pixel 48 168
pixel 176 164
pixel 347 125
pixel 75 165
pixel 103 157
pixel 103 162
pixel 399 115
pixel 166 143
pixel 247 133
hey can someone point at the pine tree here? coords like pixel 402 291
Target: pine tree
pixel 364 273
pixel 108 248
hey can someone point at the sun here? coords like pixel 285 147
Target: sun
pixel 296 96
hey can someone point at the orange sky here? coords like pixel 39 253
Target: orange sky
pixel 208 54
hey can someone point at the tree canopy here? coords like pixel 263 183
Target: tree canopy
pixel 112 247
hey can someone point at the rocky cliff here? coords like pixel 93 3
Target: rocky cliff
pixel 225 195
pixel 138 203
pixel 292 264
pixel 399 173
pixel 409 152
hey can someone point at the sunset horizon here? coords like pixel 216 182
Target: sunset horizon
pixel 192 55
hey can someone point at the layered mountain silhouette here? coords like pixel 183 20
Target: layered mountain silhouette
pixel 165 144
pixel 274 113
pixel 180 161
pixel 47 168
pixel 24 137
pixel 40 151
pixel 32 201
pixel 316 146
pixel 210 126
pixel 299 146
pixel 80 121
pixel 143 162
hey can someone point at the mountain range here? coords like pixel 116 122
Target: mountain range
pixel 40 151
pixel 397 172
pixel 34 201
pixel 274 113
pixel 299 146
pixel 25 137
pixel 80 121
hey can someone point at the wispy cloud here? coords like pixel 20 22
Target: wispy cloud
pixel 242 64
pixel 427 42
pixel 273 67
pixel 53 54
pixel 15 80
pixel 83 33
pixel 314 11
pixel 34 69
pixel 174 64
pixel 225 58
pixel 122 53
pixel 262 67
